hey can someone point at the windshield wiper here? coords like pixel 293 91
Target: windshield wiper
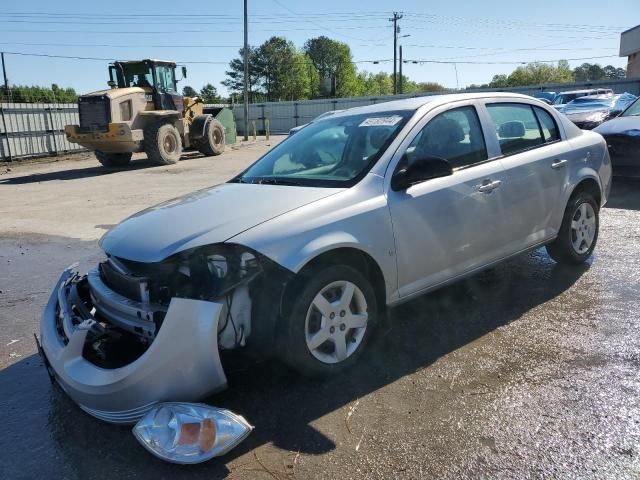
pixel 266 181
pixel 277 181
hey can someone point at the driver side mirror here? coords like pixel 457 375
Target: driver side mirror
pixel 184 72
pixel 421 169
pixel 111 83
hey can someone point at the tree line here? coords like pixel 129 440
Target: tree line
pixel 543 73
pixel 322 68
pixel 36 94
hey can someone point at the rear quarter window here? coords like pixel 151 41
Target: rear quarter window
pixel 548 125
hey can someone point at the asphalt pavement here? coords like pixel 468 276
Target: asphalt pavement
pixel 528 370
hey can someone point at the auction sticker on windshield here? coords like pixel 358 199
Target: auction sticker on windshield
pixel 381 121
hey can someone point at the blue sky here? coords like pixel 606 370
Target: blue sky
pixel 472 34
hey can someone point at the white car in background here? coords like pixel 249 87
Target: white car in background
pixel 562 98
pixel 319 117
pixel 300 254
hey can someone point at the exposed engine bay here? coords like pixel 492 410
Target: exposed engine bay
pixel 129 300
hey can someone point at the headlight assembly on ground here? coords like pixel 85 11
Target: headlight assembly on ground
pixel 188 433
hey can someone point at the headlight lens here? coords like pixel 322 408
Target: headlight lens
pixel 190 432
pixel 216 270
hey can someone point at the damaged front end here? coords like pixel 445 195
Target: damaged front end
pixel 128 335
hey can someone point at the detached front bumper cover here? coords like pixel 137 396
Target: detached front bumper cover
pixel 182 363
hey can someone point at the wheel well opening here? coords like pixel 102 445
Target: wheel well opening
pixel 590 186
pixel 357 259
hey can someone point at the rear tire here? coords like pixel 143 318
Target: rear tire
pixel 111 160
pixel 213 141
pixel 579 231
pixel 162 143
pixel 327 329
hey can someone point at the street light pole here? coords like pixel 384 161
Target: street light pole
pixel 246 75
pixel 455 66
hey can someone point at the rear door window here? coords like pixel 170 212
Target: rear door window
pixel 516 126
pixel 548 125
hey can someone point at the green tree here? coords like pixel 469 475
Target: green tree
pixel 188 91
pixel 209 94
pixel 588 72
pixel 614 73
pixel 284 72
pixel 499 81
pixel 430 87
pixel 235 75
pixel 334 64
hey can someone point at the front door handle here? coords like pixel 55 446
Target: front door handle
pixel 558 164
pixel 488 186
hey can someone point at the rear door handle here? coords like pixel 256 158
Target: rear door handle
pixel 488 186
pixel 559 164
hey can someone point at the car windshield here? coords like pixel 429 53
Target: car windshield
pixel 334 152
pixel 563 98
pixel 633 110
pixel 136 75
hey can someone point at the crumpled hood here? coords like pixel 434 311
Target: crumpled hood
pixel 205 217
pixel 621 126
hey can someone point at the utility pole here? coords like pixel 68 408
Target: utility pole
pixel 4 73
pixel 400 79
pixel 395 19
pixel 246 74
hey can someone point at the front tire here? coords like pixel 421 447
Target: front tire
pixel 579 231
pixel 213 141
pixel 111 160
pixel 331 321
pixel 162 143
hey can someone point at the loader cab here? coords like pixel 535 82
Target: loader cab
pixel 156 77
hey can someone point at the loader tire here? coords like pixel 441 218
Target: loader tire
pixel 213 141
pixel 162 143
pixel 111 160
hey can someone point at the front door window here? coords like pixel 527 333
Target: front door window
pixel 165 78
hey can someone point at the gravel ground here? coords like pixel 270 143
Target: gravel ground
pixel 529 370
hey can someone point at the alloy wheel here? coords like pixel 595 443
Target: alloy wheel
pixel 336 322
pixel 583 228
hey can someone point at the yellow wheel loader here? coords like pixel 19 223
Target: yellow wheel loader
pixel 143 112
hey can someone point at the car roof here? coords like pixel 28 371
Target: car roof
pixel 585 90
pixel 434 100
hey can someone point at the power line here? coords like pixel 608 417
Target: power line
pixel 277 2
pixel 92 45
pixel 449 62
pixel 495 51
pixel 372 61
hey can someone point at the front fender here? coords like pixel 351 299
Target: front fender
pixel 198 126
pixel 325 243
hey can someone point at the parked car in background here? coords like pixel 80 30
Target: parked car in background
pixel 319 117
pixel 546 97
pixel 590 111
pixel 300 254
pixel 622 135
pixel 562 98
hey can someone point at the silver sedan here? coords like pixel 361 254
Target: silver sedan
pixel 300 254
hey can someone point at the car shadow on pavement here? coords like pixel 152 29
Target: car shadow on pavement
pixel 88 172
pixel 625 193
pixel 283 406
